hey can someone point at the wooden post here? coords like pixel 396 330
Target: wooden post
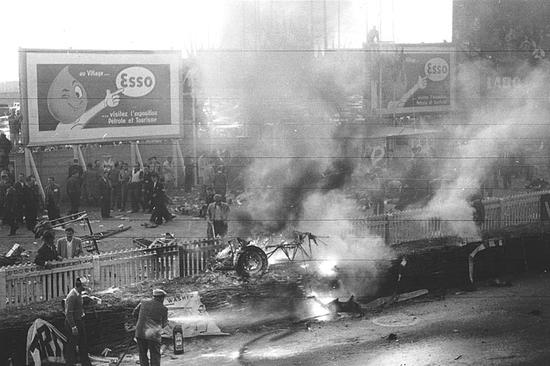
pixel 81 157
pixel 96 272
pixel 75 152
pixel 133 154
pixel 138 154
pixel 28 155
pixel 3 294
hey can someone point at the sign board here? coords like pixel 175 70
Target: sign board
pixel 94 96
pixel 45 344
pixel 411 79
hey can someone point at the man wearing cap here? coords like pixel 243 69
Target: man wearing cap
pixel 217 214
pixel 74 325
pixel 69 246
pixel 151 316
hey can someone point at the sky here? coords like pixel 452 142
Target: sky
pixel 186 24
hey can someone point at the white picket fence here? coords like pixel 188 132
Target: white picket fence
pixel 411 225
pixel 28 283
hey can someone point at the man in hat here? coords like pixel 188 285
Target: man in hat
pixel 151 316
pixel 74 325
pixel 217 214
pixel 69 246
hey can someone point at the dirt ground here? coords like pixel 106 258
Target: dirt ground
pixel 490 326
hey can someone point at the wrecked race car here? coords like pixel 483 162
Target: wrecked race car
pixel 250 257
pixel 239 255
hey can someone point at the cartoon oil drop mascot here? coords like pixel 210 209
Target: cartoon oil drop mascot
pixel 67 102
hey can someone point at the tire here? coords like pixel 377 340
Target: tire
pixel 252 262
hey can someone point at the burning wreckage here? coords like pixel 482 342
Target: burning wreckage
pixel 251 258
pixel 248 257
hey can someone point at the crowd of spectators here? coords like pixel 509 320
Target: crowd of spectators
pixel 116 186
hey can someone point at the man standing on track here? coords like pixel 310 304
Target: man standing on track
pixel 151 316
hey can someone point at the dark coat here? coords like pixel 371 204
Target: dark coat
pixel 73 186
pixel 45 254
pixel 104 187
pixel 53 194
pixel 158 194
pixel 151 316
pixel 12 201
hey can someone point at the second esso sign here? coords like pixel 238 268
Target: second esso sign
pixel 436 69
pixel 136 81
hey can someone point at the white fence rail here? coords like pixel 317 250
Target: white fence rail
pixel 28 283
pixel 406 226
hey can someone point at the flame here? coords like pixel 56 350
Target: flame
pixel 318 306
pixel 327 267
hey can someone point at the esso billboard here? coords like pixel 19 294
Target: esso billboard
pixel 135 81
pixel 436 69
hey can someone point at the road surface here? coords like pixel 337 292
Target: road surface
pixel 490 326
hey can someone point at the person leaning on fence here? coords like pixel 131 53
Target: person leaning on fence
pixel 152 316
pixel 47 252
pixel 75 329
pixel 216 217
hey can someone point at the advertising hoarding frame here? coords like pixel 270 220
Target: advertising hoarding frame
pixel 28 69
pixel 384 51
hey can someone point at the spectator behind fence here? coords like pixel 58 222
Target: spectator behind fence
pixel 74 192
pixel 33 202
pixel 105 195
pixel 5 149
pixel 168 172
pixel 135 189
pixel 114 180
pixel 4 185
pixel 69 246
pixel 158 202
pixel 53 196
pixel 217 214
pixel 124 178
pixel 47 252
pixel 11 209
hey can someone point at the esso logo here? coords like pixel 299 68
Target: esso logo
pixel 135 81
pixel 436 69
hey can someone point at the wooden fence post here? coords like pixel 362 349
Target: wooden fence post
pixel 3 294
pixel 96 272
